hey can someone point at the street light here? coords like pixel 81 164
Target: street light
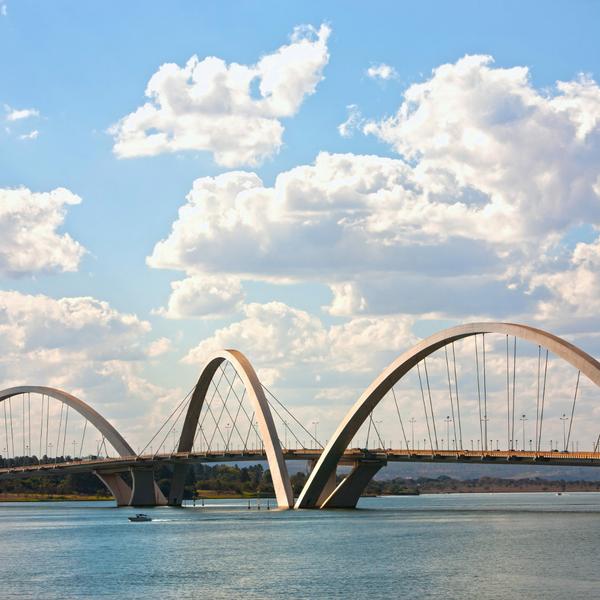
pixel 315 423
pixel 447 419
pixel 412 421
pixel 523 419
pixel 227 427
pixel 564 420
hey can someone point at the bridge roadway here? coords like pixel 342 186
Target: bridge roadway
pixel 351 456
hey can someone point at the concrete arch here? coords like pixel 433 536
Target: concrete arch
pixel 266 425
pixel 85 410
pixel 145 491
pixel 325 468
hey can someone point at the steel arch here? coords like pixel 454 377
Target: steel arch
pixel 356 416
pixel 117 441
pixel 266 425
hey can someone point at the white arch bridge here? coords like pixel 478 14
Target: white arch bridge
pixel 521 379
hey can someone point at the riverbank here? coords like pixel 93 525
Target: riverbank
pixel 52 498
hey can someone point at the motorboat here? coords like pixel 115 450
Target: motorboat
pixel 140 518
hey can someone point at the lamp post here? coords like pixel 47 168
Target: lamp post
pixel 315 423
pixel 523 419
pixel 412 432
pixel 447 419
pixel 564 420
pixel 484 420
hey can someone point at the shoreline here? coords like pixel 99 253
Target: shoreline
pixel 26 498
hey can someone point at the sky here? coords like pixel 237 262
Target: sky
pixel 319 185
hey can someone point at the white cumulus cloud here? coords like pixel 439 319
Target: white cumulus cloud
pixel 203 295
pixel 32 135
pixel 30 240
pixel 14 114
pixel 86 347
pixel 233 111
pixel 382 71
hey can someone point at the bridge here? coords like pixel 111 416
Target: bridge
pixel 229 416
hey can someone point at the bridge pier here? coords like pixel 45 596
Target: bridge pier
pixel 329 487
pixel 177 484
pixel 145 491
pixel 116 486
pixel 347 493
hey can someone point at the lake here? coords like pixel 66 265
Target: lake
pixel 429 546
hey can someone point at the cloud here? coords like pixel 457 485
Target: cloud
pixel 30 241
pixel 159 347
pixel 493 176
pixel 83 346
pixel 208 296
pixel 3 9
pixel 14 114
pixel 278 337
pixel 233 111
pixel 382 71
pixel 352 123
pixel 575 288
pixel 534 156
pixel 32 135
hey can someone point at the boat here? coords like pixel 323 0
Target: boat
pixel 140 518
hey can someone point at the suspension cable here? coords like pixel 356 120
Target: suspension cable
pixel 537 402
pixel 485 415
pixel 431 404
pixel 478 392
pixel 6 427
pixel 82 438
pixel 29 421
pixel 369 430
pixel 400 418
pixel 249 430
pixel 514 381
pixel 59 432
pixel 168 419
pixel 450 394
pixel 508 441
pixel 543 400
pixel 209 403
pixel 41 425
pixel 65 434
pixel 47 423
pixel 424 407
pixel 286 427
pixel 23 423
pixel 292 416
pixel 457 400
pixel 240 406
pixel 12 435
pixel 378 436
pixel 164 441
pixel 572 411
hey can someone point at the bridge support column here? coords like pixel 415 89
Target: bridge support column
pixel 347 492
pixel 145 492
pixel 178 484
pixel 328 488
pixel 116 486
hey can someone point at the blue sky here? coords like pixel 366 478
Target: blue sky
pixel 83 68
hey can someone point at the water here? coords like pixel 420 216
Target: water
pixel 442 546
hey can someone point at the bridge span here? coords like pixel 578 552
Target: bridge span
pixel 230 417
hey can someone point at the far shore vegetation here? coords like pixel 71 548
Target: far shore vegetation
pixel 227 481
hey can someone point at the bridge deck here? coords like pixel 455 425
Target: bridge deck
pixel 579 459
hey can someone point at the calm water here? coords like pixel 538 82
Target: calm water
pixel 449 546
